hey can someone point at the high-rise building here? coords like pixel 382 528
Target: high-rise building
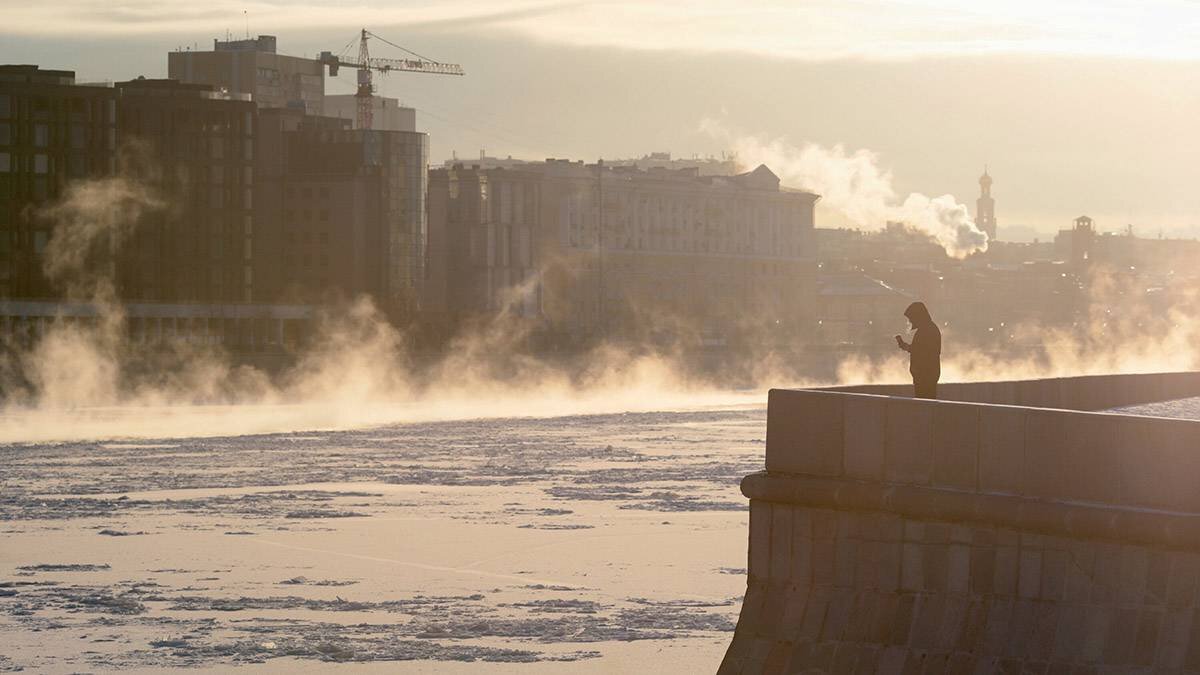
pixel 253 67
pixel 52 131
pixel 193 147
pixel 985 207
pixel 341 211
pixel 344 211
pixel 183 268
pixel 595 250
pixel 190 148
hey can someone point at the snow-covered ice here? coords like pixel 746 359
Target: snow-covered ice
pixel 599 543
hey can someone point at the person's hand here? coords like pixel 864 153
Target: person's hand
pixel 899 341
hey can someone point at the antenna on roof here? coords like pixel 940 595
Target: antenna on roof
pixel 246 16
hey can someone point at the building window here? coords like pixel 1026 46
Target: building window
pixel 5 133
pixel 324 192
pixel 323 216
pixel 5 162
pixel 41 164
pixel 5 106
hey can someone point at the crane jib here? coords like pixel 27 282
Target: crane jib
pixel 366 64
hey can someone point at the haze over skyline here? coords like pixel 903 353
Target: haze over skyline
pixel 1076 107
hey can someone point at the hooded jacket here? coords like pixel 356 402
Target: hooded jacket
pixel 925 353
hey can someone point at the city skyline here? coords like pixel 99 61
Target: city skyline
pixel 1070 123
pixel 669 336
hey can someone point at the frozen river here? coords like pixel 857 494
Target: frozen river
pixel 597 543
pixel 601 543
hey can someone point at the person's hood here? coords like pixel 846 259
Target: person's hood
pixel 918 314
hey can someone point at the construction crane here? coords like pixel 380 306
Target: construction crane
pixel 366 64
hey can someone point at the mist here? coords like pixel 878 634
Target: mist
pixel 87 380
pixel 82 380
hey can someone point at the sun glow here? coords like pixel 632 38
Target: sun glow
pixel 821 29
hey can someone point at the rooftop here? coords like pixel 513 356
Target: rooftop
pixel 32 74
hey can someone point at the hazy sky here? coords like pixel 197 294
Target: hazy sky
pixel 1077 107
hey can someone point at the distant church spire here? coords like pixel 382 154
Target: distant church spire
pixel 985 206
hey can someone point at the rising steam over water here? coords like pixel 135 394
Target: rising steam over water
pixel 78 382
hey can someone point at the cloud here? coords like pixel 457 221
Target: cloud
pixel 814 29
pixel 92 18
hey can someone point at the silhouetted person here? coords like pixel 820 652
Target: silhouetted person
pixel 925 352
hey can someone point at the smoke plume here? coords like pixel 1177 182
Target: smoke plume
pixel 853 184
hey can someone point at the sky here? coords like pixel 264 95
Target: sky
pixel 1076 107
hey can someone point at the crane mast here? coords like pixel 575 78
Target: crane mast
pixel 366 65
pixel 365 88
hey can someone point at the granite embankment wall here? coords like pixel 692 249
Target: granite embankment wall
pixel 891 534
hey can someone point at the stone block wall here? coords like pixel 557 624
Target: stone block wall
pixel 892 534
pixel 867 592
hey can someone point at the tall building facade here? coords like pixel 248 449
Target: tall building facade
pixel 340 211
pixel 194 148
pixel 594 250
pixel 52 131
pixel 184 268
pixel 985 207
pixel 191 148
pixel 343 212
pixel 253 67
